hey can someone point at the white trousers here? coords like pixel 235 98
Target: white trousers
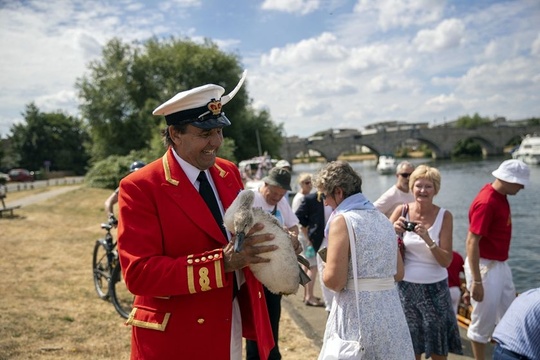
pixel 499 292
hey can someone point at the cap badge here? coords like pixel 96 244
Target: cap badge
pixel 214 106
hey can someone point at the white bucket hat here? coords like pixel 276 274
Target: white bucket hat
pixel 513 171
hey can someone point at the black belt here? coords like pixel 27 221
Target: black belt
pixel 511 353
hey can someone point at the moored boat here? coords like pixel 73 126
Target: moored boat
pixel 254 169
pixel 386 164
pixel 529 150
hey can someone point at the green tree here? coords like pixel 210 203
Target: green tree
pixel 472 122
pixel 119 120
pixel 54 137
pixel 467 148
pixel 122 89
pixel 533 121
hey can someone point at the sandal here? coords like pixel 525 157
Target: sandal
pixel 316 303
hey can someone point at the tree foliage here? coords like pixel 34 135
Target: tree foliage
pixel 467 148
pixel 54 137
pixel 122 89
pixel 108 172
pixel 472 122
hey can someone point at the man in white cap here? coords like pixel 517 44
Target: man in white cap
pixel 489 277
pixel 195 297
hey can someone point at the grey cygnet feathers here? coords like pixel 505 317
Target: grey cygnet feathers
pixel 281 275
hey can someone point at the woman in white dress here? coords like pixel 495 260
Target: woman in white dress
pixel 381 320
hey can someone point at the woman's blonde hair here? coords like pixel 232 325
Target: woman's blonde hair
pixel 426 172
pixel 303 177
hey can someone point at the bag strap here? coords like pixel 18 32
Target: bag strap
pixel 404 210
pixel 352 238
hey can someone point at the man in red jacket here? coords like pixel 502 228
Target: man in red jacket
pixel 194 296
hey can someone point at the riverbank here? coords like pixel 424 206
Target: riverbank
pixel 350 158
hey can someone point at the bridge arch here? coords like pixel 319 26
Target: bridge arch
pixel 442 140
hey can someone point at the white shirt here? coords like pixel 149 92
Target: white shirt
pixel 284 213
pixel 393 197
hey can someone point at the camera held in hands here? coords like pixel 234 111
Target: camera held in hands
pixel 409 225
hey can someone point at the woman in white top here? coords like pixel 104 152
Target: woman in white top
pixel 424 289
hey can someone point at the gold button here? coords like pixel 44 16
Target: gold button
pixel 200 321
pixel 197 260
pixel 203 258
pixel 210 257
pixel 260 295
pixel 190 261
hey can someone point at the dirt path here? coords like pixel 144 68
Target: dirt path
pixel 32 199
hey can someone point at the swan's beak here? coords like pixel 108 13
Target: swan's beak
pixel 240 236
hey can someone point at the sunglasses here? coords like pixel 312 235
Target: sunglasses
pixel 322 196
pixel 307 182
pixel 405 175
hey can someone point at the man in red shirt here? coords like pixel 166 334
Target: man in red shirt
pixel 489 278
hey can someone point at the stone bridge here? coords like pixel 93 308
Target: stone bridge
pixel 441 140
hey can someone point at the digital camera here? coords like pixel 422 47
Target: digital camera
pixel 409 225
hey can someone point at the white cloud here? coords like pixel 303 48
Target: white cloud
pixel 535 48
pixel 291 6
pixel 448 34
pixel 322 48
pixel 402 13
pixel 443 102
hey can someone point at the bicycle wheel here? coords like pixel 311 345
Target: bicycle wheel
pixel 121 298
pixel 101 269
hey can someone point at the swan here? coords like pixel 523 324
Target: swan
pixel 281 275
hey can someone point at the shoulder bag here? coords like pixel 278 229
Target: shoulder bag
pixel 401 244
pixel 334 347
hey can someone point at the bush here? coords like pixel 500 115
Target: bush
pixel 107 173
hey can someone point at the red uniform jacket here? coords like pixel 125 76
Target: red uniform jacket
pixel 171 255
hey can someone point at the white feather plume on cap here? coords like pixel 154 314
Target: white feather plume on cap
pixel 200 106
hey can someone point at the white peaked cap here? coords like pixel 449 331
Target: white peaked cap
pixel 200 106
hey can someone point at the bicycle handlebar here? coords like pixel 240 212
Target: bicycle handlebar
pixel 110 224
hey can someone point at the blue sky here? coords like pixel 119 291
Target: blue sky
pixel 314 64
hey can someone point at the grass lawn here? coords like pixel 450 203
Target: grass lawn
pixel 48 306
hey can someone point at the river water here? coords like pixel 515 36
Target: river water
pixel 460 183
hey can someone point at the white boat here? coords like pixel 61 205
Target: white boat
pixel 254 169
pixel 386 164
pixel 529 150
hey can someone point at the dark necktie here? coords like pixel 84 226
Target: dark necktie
pixel 205 189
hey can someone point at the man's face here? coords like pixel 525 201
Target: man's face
pixel 403 176
pixel 197 146
pixel 272 194
pixel 512 188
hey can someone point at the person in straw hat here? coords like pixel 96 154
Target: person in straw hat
pixel 194 295
pixel 488 275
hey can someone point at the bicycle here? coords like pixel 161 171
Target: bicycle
pixel 107 273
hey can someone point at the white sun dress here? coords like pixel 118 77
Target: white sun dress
pixel 385 334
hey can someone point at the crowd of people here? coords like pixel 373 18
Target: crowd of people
pixel 193 288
